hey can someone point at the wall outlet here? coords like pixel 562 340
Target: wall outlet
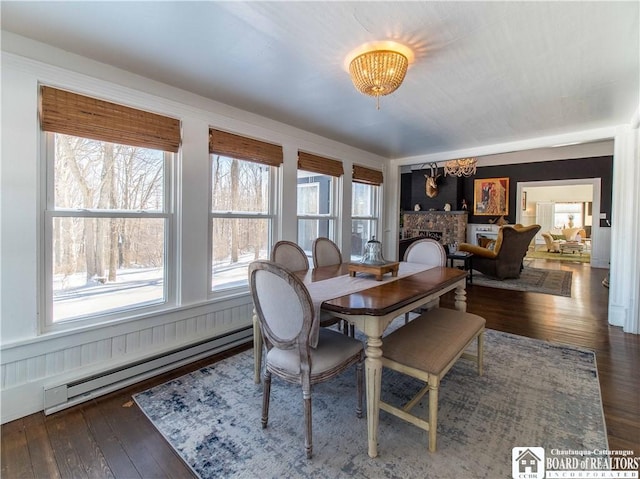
pixel 603 216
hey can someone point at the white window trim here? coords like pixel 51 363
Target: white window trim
pixel 49 212
pixel 271 215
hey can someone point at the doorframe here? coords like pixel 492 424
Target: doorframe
pixel 595 226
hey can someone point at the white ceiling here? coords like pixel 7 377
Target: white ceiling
pixel 485 72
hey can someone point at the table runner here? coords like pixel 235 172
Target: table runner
pixel 332 288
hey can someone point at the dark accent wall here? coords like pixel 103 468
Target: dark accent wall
pixel 459 188
pixel 448 191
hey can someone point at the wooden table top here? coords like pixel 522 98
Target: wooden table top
pixel 388 296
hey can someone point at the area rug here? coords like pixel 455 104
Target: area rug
pixel 568 257
pixel 535 280
pixel 533 393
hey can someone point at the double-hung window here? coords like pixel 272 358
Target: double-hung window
pixel 317 198
pixel 109 221
pixel 243 178
pixel 365 207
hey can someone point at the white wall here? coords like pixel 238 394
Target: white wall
pixel 31 360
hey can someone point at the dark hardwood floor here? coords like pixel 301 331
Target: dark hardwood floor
pixel 110 437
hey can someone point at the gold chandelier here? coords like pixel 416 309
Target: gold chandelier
pixel 378 68
pixel 461 167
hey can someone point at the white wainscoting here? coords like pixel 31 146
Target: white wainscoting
pixel 30 368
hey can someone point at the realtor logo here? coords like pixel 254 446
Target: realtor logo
pixel 528 462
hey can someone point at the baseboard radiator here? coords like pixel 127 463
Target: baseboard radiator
pixel 63 396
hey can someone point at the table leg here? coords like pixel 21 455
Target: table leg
pixel 461 297
pixel 373 378
pixel 257 349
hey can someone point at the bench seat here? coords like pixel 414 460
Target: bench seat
pixel 426 348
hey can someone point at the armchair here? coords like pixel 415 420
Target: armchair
pixel 505 259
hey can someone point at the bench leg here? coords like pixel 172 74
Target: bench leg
pixel 434 384
pixel 480 353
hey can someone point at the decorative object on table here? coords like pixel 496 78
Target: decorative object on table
pixel 431 183
pixel 461 167
pixel 570 217
pixel 373 262
pixel 378 68
pixel 447 207
pixel 417 207
pixel 211 417
pixel 504 260
pixel 491 196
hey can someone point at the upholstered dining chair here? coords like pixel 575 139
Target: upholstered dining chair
pixel 293 257
pixel 285 314
pixel 325 252
pixel 290 255
pixel 428 252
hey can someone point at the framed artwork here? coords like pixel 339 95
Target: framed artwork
pixel 524 201
pixel 491 197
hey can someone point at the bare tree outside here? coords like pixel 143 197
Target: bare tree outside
pixel 101 231
pixel 240 218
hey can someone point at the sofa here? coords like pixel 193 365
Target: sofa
pixel 503 259
pixel 553 239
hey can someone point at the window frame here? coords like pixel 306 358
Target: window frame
pixel 49 213
pixel 334 207
pixel 374 218
pixel 271 216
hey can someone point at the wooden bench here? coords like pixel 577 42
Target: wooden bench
pixel 426 349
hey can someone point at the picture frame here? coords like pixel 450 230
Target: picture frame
pixel 524 201
pixel 491 197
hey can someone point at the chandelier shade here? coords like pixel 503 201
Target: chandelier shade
pixel 461 167
pixel 378 69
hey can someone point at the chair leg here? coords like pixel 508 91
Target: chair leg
pixel 359 388
pixel 308 444
pixel 266 396
pixel 406 317
pixel 434 384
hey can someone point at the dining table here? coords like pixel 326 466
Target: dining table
pixel 371 305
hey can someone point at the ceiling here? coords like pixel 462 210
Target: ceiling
pixel 485 72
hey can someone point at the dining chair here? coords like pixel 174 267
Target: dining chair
pixel 325 252
pixel 285 314
pixel 290 255
pixel 429 252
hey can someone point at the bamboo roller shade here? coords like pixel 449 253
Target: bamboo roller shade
pixel 365 175
pixel 318 164
pixel 243 148
pixel 72 114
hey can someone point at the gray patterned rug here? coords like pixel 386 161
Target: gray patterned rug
pixel 535 280
pixel 533 393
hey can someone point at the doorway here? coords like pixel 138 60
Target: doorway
pixel 560 204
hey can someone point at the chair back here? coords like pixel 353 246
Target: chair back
pixel 426 251
pixel 290 255
pixel 282 304
pixel 325 252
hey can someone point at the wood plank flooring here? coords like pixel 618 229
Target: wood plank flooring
pixel 110 437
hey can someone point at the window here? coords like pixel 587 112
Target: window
pixel 364 208
pixel 108 214
pixel 242 205
pixel 568 215
pixel 316 198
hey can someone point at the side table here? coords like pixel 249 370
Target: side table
pixel 467 260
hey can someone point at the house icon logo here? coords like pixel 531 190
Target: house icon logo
pixel 528 463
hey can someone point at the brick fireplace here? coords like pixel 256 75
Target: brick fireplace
pixel 444 226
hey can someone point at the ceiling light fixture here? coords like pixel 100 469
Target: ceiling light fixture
pixel 461 167
pixel 378 68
